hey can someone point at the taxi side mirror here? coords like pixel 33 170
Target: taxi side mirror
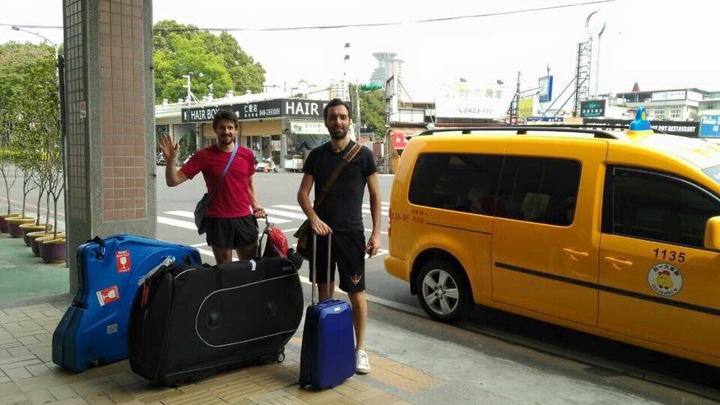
pixel 712 233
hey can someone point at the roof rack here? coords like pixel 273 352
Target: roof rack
pixel 525 129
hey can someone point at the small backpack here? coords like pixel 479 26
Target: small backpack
pixel 275 241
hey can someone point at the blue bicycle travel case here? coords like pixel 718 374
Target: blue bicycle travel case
pixel 189 322
pixel 327 355
pixel 93 330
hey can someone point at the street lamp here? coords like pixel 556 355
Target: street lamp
pixel 45 39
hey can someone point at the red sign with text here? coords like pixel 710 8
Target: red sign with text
pixel 108 295
pixel 122 261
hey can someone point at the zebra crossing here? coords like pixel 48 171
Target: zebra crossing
pixel 278 214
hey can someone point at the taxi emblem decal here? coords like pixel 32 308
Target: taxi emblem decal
pixel 665 279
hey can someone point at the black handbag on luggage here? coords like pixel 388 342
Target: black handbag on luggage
pixel 189 322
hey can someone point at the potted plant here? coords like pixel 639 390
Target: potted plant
pixel 40 179
pixel 53 249
pixel 28 99
pixel 27 167
pixel 35 239
pixel 9 173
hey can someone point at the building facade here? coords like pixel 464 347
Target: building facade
pixel 281 129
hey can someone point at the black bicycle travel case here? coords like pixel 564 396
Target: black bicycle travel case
pixel 189 322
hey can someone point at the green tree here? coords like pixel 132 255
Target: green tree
pixel 29 108
pixel 216 63
pixel 372 110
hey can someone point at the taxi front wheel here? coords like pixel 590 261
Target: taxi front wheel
pixel 444 292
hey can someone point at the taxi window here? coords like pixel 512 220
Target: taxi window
pixel 453 180
pixel 538 189
pixel 713 172
pixel 656 206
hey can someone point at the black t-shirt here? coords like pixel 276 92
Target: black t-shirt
pixel 341 209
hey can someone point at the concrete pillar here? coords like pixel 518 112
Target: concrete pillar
pixel 110 121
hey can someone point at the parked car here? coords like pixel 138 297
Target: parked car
pixel 611 233
pixel 160 159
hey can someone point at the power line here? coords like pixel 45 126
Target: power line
pixel 362 25
pixel 423 21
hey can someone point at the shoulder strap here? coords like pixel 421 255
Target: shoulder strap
pixel 329 182
pixel 222 176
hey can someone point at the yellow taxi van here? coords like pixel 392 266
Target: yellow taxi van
pixel 614 233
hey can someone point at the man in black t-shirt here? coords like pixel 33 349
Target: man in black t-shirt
pixel 341 214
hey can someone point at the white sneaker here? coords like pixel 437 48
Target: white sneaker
pixel 362 362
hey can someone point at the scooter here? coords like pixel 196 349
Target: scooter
pixel 266 165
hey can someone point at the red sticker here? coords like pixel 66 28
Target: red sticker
pixel 108 295
pixel 122 261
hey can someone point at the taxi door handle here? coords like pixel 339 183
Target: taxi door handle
pixel 617 263
pixel 576 255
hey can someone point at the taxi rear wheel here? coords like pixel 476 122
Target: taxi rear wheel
pixel 443 291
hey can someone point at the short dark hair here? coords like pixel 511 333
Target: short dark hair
pixel 224 114
pixel 334 103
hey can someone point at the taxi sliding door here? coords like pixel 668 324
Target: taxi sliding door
pixel 545 251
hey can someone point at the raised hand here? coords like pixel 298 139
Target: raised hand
pixel 169 149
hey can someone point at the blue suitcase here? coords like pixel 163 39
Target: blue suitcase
pixel 93 330
pixel 327 355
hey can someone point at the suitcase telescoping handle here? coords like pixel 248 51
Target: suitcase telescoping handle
pixel 262 236
pixel 314 267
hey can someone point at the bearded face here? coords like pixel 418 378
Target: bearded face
pixel 338 122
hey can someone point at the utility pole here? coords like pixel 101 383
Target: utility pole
pixel 357 109
pixel 515 104
pixel 346 93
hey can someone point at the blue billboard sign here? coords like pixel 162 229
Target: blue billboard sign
pixel 545 85
pixel 710 126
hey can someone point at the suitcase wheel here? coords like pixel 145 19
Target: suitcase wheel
pixel 280 356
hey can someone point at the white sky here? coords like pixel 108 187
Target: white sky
pixel 648 42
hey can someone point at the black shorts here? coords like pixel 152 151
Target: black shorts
pixel 347 254
pixel 231 233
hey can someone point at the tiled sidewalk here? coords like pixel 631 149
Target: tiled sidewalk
pixel 27 375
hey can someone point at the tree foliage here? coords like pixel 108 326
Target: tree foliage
pixel 30 112
pixel 372 110
pixel 215 63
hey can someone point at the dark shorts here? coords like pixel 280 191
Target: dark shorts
pixel 347 255
pixel 231 233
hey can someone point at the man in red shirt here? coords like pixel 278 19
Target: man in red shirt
pixel 232 212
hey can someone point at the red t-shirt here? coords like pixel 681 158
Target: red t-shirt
pixel 231 200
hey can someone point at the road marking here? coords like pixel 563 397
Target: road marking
pixel 184 214
pixel 177 222
pixel 277 217
pixel 366 207
pixel 285 214
pixel 288 207
pixel 188 214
